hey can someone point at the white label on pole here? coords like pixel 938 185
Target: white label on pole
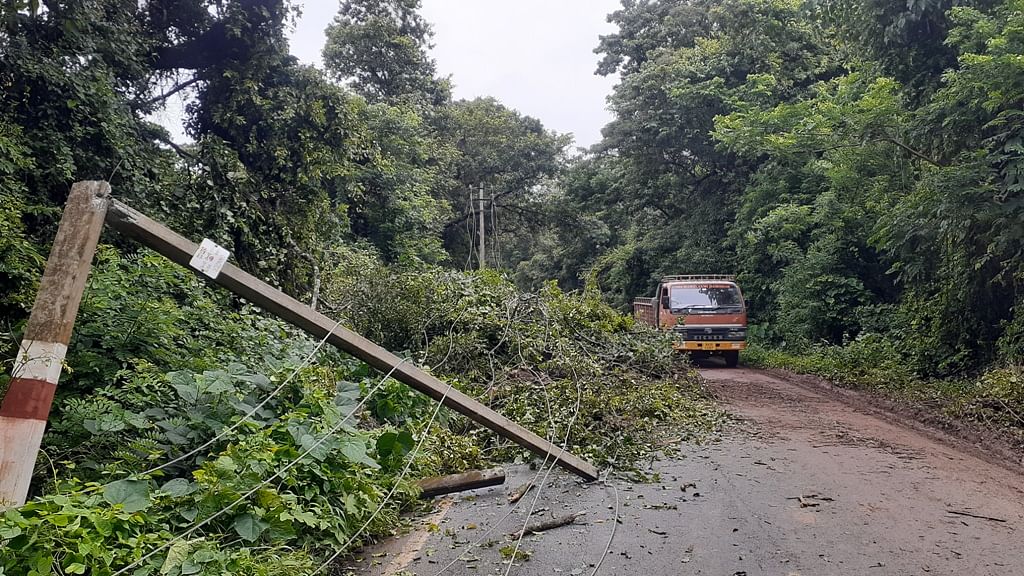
pixel 210 258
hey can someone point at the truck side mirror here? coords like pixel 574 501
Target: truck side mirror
pixel 664 302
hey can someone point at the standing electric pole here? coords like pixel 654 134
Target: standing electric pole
pixel 483 250
pixel 26 405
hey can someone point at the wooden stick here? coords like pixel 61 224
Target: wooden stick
pixel 26 404
pixel 546 525
pixel 179 249
pixel 518 494
pixel 978 516
pixel 440 485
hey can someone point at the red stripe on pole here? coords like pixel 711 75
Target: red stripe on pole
pixel 28 398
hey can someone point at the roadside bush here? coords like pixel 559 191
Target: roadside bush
pixel 996 399
pixel 870 361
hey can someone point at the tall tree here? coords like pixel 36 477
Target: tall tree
pixel 511 155
pixel 684 63
pixel 380 49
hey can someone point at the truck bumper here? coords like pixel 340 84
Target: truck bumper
pixel 709 346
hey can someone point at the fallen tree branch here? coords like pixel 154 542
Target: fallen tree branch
pixel 518 494
pixel 548 525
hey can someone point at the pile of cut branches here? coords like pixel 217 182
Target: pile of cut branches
pixel 567 366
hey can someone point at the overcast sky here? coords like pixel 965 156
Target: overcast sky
pixel 534 55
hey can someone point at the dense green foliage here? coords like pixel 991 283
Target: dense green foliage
pixel 858 163
pixel 159 366
pixel 347 187
pixel 855 162
pixel 162 363
pixel 611 385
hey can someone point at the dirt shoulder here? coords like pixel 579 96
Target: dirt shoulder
pixel 985 442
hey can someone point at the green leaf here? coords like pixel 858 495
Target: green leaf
pixel 204 555
pixel 133 495
pixel 225 464
pixel 249 527
pixel 355 451
pixel 317 449
pixel 176 556
pixel 392 444
pixel 219 382
pixel 184 383
pixel 386 444
pixel 75 568
pixel 406 441
pixel 178 487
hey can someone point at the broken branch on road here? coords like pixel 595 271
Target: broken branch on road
pixel 546 525
pixel 978 516
pixel 518 493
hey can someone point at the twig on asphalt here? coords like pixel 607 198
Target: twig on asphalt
pixel 518 494
pixel 546 525
pixel 979 516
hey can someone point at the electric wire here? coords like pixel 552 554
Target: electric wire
pixel 252 412
pixel 540 469
pixel 513 508
pixel 540 488
pixel 232 427
pixel 423 436
pixel 615 523
pixel 536 497
pixel 266 481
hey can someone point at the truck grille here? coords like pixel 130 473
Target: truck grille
pixel 722 333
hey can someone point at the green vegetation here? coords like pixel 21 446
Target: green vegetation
pixel 161 364
pixel 193 434
pixel 858 163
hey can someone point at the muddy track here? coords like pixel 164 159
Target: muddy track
pixel 808 481
pixel 983 442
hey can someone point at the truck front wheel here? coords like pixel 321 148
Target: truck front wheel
pixel 732 358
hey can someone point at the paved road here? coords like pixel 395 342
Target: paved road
pixel 804 484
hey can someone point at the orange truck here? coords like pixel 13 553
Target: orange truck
pixel 705 313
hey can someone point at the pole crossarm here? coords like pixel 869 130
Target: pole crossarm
pixel 180 250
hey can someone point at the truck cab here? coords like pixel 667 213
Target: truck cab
pixel 706 314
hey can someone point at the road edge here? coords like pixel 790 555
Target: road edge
pixel 987 444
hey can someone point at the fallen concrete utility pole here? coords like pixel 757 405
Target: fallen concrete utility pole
pixel 181 250
pixel 441 485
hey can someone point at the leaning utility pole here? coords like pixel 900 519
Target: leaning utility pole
pixel 483 259
pixel 25 406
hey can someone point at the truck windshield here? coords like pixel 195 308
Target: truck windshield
pixel 707 298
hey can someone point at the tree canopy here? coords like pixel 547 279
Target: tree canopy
pixel 855 162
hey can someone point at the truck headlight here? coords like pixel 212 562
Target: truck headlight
pixel 737 333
